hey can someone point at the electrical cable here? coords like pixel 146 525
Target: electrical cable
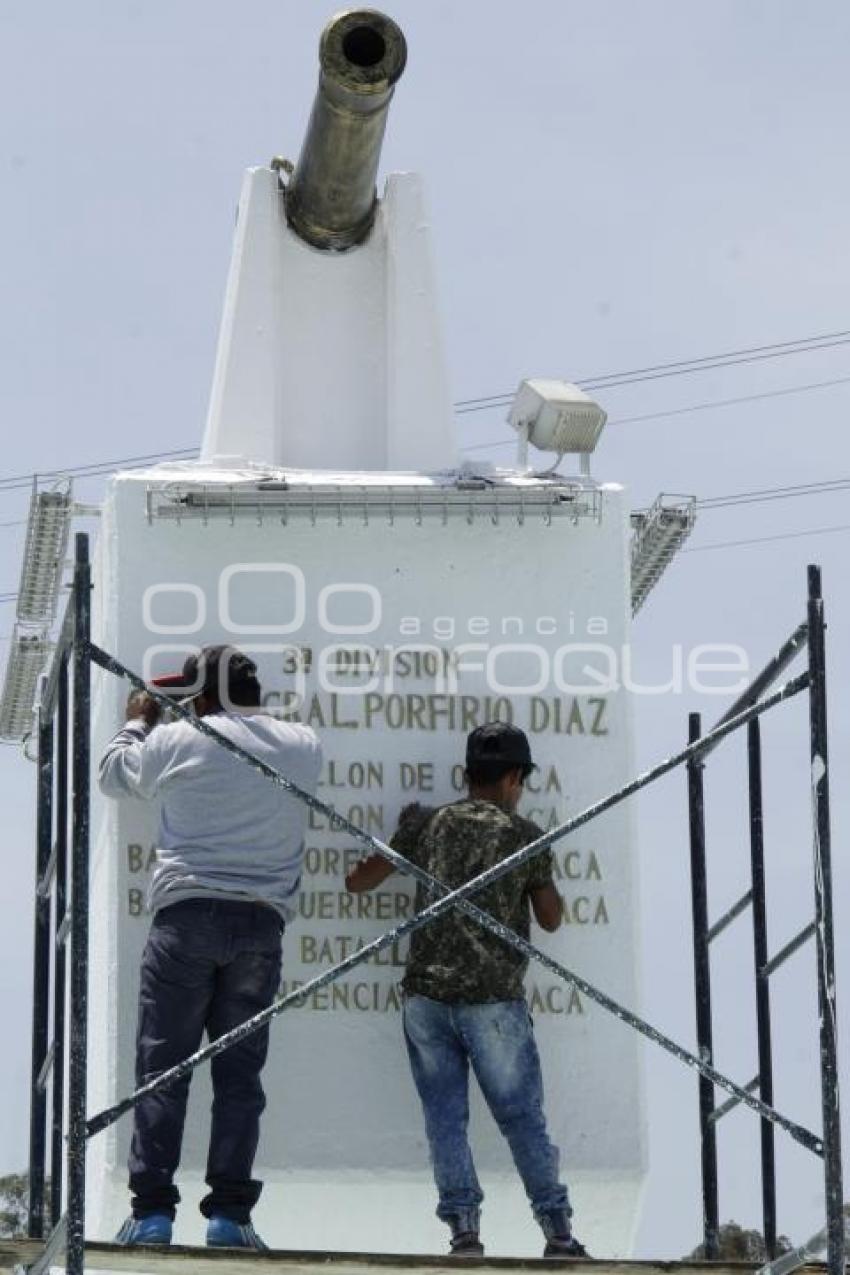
pixel 657 367
pixel 762 495
pixel 683 367
pixel 765 495
pixel 731 402
pixel 98 468
pixel 755 353
pixel 94 467
pixel 692 407
pixel 765 500
pixel 762 540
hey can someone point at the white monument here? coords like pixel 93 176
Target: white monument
pixel 394 601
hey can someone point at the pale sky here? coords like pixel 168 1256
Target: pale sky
pixel 612 185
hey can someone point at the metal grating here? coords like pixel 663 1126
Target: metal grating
pixel 659 533
pixel 28 656
pixel 471 499
pixel 45 550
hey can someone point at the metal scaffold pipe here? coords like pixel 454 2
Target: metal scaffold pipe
pixel 331 198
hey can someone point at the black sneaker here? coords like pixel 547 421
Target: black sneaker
pixel 564 1246
pixel 467 1244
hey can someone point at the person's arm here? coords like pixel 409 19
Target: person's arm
pixel 125 768
pixel 547 905
pixel 368 873
pixel 371 871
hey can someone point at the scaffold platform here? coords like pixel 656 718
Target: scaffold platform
pixel 181 1260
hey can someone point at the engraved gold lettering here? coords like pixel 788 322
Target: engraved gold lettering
pixel 582 909
pixel 544 782
pixel 140 859
pixel 575 722
pixel 572 861
pixel 418 776
pixel 601 707
pixel 557 998
pixel 337 719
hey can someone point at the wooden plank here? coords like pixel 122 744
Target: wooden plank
pixel 179 1260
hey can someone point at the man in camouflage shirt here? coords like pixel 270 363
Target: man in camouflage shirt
pixel 464 999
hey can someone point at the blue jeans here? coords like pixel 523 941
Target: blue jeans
pixel 209 964
pixel 498 1040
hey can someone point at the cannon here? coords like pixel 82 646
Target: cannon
pixel 331 197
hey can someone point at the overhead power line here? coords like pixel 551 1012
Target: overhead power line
pixel 760 495
pixel 731 402
pixel 94 468
pixel 655 371
pixel 692 407
pixel 98 468
pixel 757 496
pixel 763 494
pixel 683 367
pixel 763 540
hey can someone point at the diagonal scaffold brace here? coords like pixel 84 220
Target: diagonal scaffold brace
pixel 459 898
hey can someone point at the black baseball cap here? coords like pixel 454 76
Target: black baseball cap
pixel 209 672
pixel 498 742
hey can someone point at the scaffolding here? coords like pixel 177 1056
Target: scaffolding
pixel 60 1003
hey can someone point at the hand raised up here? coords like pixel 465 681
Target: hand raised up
pixel 142 706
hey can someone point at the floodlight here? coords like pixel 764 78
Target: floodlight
pixel 28 655
pixel 556 417
pixel 45 549
pixel 659 533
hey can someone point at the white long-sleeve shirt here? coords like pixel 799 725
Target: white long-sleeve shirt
pixel 226 830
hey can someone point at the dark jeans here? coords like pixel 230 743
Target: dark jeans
pixel 209 964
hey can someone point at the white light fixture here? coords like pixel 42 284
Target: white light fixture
pixel 45 550
pixel 659 533
pixel 28 654
pixel 555 416
pixel 468 498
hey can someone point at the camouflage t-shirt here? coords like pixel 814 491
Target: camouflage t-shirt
pixel 454 958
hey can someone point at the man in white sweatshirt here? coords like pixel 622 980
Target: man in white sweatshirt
pixel 228 872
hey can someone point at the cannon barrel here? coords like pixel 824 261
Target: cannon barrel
pixel 331 198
